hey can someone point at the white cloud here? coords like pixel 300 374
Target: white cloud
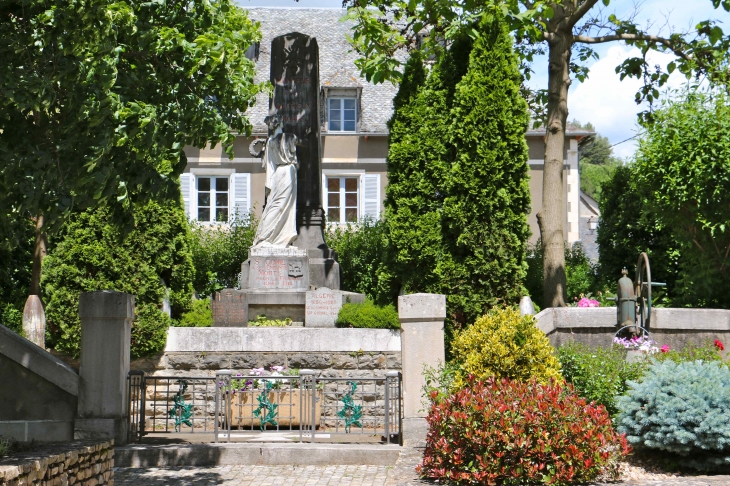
pixel 608 103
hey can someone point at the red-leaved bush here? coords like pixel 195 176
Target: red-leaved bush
pixel 511 432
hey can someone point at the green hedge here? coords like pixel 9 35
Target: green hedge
pixel 368 315
pixel 149 262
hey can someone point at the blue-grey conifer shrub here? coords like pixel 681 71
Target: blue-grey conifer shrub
pixel 682 409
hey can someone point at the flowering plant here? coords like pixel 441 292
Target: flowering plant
pixel 719 345
pixel 665 349
pixel 586 302
pixel 641 343
pixel 242 383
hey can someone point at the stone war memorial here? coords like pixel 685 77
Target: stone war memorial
pixel 290 271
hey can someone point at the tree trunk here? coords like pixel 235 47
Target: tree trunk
pixel 39 253
pixel 551 216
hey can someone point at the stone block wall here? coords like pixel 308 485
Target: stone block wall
pixel 352 364
pixel 74 463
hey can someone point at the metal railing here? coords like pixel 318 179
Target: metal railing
pixel 302 406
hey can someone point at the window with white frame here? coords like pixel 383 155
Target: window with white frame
pixel 212 199
pixel 348 198
pixel 342 114
pixel 215 198
pixel 343 199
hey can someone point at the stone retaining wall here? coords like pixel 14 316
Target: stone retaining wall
pixel 75 463
pixel 351 364
pixel 596 326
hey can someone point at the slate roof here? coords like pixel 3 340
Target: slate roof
pixel 336 61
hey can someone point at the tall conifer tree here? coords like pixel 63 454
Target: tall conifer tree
pixel 457 195
pixel 488 196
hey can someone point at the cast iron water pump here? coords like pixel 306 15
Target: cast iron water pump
pixel 633 299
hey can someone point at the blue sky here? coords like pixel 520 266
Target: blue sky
pixel 603 99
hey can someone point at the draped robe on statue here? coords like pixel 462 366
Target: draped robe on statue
pixel 278 226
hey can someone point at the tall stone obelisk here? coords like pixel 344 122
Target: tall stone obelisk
pixel 295 77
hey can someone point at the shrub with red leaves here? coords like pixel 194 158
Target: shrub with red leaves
pixel 510 432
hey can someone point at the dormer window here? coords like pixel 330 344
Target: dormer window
pixel 342 114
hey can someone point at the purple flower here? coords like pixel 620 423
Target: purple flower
pixel 278 369
pixel 257 371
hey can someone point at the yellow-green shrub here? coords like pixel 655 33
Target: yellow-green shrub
pixel 504 344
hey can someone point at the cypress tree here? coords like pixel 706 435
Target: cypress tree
pixel 458 196
pixel 419 157
pixel 488 197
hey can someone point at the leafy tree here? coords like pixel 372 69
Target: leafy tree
pixel 100 97
pixel 596 160
pixel 16 257
pixel 152 262
pixel 457 194
pixel 560 27
pixel 684 174
pixel 628 228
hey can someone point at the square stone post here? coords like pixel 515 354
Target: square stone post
pixel 106 327
pixel 421 319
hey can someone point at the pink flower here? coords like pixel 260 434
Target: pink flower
pixel 665 349
pixel 586 302
pixel 719 345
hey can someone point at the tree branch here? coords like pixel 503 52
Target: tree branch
pixel 633 37
pixel 581 11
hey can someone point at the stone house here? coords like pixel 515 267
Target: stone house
pixel 354 115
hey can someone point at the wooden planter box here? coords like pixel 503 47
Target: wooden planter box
pixel 288 410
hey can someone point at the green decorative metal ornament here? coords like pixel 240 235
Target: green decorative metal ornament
pixel 181 412
pixel 350 412
pixel 266 412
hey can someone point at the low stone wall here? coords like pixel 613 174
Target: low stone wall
pixel 350 364
pixel 75 463
pixel 597 326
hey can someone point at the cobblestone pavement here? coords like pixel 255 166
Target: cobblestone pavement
pixel 402 474
pixel 253 476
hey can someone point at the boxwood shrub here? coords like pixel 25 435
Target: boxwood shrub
pixel 513 432
pixel 368 315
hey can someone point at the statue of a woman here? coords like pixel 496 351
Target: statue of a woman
pixel 278 226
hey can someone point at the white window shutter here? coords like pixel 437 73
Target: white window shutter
pixel 186 183
pixel 241 194
pixel 371 196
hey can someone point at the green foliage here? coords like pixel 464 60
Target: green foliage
pixel 263 321
pixel 149 332
pixel 12 318
pixel 628 228
pixel 91 254
pixel 512 432
pixel 581 275
pixel 504 344
pixel 683 170
pixel 100 97
pixel 599 375
pixel 457 194
pixel 368 315
pixel 682 409
pixel 218 252
pixel 597 162
pixel 362 252
pixel 200 315
pixel 17 240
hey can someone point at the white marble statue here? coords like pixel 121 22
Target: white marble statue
pixel 278 226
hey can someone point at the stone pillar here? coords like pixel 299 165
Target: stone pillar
pixel 422 343
pixel 106 327
pixel 34 321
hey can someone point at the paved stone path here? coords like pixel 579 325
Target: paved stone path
pixel 253 476
pixel 403 474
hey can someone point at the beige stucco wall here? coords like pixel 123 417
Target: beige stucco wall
pixel 367 154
